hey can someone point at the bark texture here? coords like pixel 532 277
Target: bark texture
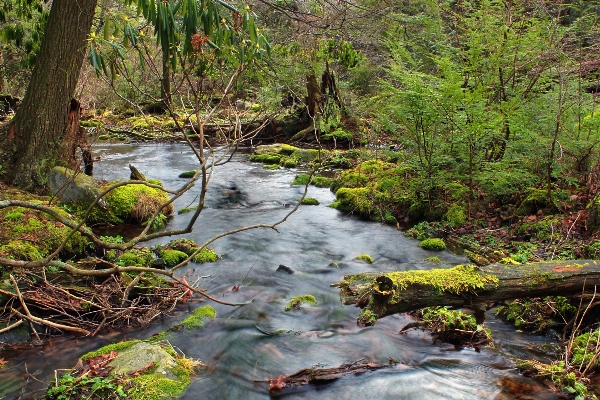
pixel 389 293
pixel 45 128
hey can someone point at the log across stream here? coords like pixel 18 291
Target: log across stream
pixel 478 288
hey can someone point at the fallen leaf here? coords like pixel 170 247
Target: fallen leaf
pixel 277 383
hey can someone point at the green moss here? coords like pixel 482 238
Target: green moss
pixel 289 162
pixel 301 179
pixel 104 137
pixel 309 201
pixel 136 258
pixel 297 301
pixel 20 250
pixel 355 200
pixel 14 216
pixel 187 209
pixel 364 257
pixel 187 174
pixel 90 123
pixel 199 317
pixel 433 244
pixel 135 203
pixel 457 280
pixel 542 229
pixel 156 387
pixel 322 181
pixel 206 255
pixel 108 348
pixel 172 257
pixel 266 158
pixel 271 167
pixel 433 259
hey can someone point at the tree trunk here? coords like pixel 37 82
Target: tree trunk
pixel 471 287
pixel 45 128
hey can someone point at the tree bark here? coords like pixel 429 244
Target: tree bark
pixel 42 132
pixel 375 291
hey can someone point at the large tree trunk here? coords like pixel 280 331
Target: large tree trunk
pixel 466 286
pixel 45 127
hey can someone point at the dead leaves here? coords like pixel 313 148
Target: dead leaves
pixel 95 366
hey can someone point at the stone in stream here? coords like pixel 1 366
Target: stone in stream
pixel 285 268
pixel 140 355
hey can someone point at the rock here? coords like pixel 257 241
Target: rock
pixel 140 355
pixel 72 187
pixel 285 268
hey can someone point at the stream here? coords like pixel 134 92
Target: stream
pixel 245 345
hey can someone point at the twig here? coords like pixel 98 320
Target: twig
pixel 248 272
pixel 8 328
pixel 51 324
pixel 14 282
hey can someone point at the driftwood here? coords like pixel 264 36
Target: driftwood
pixel 478 288
pixel 321 375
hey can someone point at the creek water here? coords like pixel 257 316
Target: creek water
pixel 245 345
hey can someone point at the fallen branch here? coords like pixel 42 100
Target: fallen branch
pixel 51 324
pixel 319 375
pixel 9 327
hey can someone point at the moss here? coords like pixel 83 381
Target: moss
pixel 266 158
pixel 309 201
pixel 108 348
pixel 14 216
pixel 187 174
pixel 542 229
pixel 355 200
pixel 206 255
pixel 433 259
pixel 172 257
pixel 537 199
pixel 156 387
pixel 433 244
pixel 297 301
pixel 537 314
pixel 271 167
pixel 199 317
pixel 457 280
pixel 301 179
pixel 135 203
pixel 140 257
pixel 322 181
pixel 289 162
pixel 187 209
pixel 104 137
pixel 20 250
pixel 90 123
pixel 364 257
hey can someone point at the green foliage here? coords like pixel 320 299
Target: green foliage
pixel 445 319
pixel 301 179
pixel 367 317
pixel 585 349
pixel 297 301
pixel 69 387
pixel 433 244
pixel 537 314
pixel 199 317
pixel 14 216
pixel 205 255
pixel 456 215
pixel 365 257
pixel 433 259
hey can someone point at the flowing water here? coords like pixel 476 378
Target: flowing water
pixel 245 345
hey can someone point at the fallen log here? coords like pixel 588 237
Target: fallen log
pixel 478 288
pixel 319 375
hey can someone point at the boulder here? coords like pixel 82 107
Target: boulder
pixel 72 187
pixel 140 355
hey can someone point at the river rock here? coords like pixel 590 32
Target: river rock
pixel 140 355
pixel 71 187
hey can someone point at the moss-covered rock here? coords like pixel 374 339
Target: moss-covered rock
pixel 188 247
pixel 297 301
pixel 172 257
pixel 73 187
pixel 433 244
pixel 309 201
pixel 365 257
pixel 138 257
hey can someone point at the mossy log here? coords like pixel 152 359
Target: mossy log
pixel 478 288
